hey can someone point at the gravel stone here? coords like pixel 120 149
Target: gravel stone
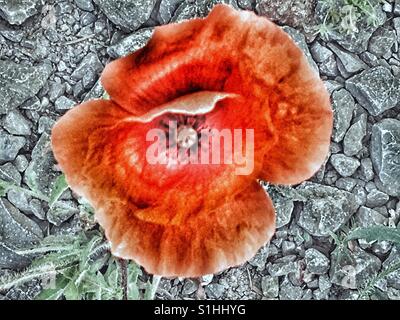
pixel 270 286
pixel 353 140
pixel 129 15
pixel 19 82
pixel 15 123
pixel 86 5
pixel 367 217
pixel 17 11
pixel 131 43
pixel 356 270
pixel 39 175
pixel 290 292
pixel 16 230
pixel 64 103
pixel 385 150
pixel 215 290
pixel 10 146
pixel 345 166
pixel 316 262
pixel 326 209
pixel 296 14
pixel 89 64
pixel 9 173
pixel 367 171
pixel 343 105
pixel 376 89
pixel 376 198
pixel 382 42
pixel 167 10
pixel 351 62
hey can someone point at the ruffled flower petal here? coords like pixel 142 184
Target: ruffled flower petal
pixel 204 240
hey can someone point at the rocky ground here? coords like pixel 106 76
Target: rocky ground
pixel 51 55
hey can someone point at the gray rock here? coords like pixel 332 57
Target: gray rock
pixel 353 140
pixel 11 260
pixel 10 146
pixel 87 18
pixel 296 14
pixel 385 150
pixel 129 15
pixel 203 7
pixel 39 175
pixel 396 24
pixel 89 64
pixel 376 198
pixel 9 173
pixel 316 262
pixel 37 209
pixel 326 209
pixel 167 10
pixel 346 183
pixel 382 41
pixel 270 286
pixel 86 5
pixel 367 217
pixel 189 287
pixel 343 106
pixel 396 9
pixel 45 124
pixel 345 166
pixel 16 123
pixel 283 266
pixel 20 200
pixel 21 163
pixel 246 4
pixel 300 40
pixel 290 292
pixel 320 53
pixel 185 11
pixel 351 62
pixel 367 171
pixel 61 211
pixel 131 43
pixel 19 82
pixel 215 290
pixel 283 204
pixel 355 270
pixel 288 247
pixel 96 92
pixel 17 11
pixel 64 103
pixel 56 90
pixel 376 89
pixel 16 230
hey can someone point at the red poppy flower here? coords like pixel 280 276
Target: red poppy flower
pixel 231 70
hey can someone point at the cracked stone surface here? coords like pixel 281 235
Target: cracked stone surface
pixel 49 64
pixel 385 151
pixel 19 82
pixel 377 90
pixel 17 11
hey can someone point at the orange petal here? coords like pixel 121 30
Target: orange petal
pixel 102 148
pixel 235 52
pixel 203 241
pixel 302 120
